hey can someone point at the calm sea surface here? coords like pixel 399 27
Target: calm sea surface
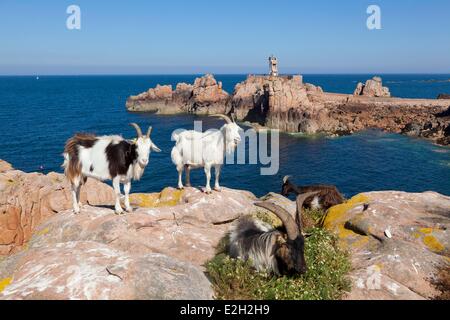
pixel 37 117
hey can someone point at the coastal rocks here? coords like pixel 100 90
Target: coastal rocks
pixel 399 243
pixel 90 270
pixel 205 96
pixel 276 102
pixel 436 128
pixel 443 96
pixel 372 88
pixel 28 199
pixel 208 96
pixel 156 252
pixel 188 228
pixel 288 104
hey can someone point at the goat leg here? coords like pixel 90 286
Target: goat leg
pixel 188 175
pixel 217 185
pixel 180 174
pixel 116 186
pixel 126 189
pixel 208 179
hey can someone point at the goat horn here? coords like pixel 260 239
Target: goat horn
pixel 138 129
pixel 286 178
pixel 149 132
pixel 300 200
pixel 292 231
pixel 226 118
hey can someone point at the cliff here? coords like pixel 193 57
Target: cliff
pixel 288 104
pixel 398 242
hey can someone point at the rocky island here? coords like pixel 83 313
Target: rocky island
pixel 290 105
pixel 398 242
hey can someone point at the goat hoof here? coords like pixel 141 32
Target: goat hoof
pixel 188 185
pixel 129 210
pixel 208 191
pixel 118 212
pixel 218 189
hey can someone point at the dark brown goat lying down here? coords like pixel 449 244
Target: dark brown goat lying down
pixel 327 196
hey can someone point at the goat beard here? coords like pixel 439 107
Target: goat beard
pixel 138 171
pixel 230 146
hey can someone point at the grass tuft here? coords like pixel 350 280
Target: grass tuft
pixel 325 280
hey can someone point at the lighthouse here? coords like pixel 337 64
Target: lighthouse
pixel 273 66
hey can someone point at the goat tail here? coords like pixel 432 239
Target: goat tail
pixel 72 167
pixel 65 164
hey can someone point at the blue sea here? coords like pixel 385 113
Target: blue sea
pixel 37 116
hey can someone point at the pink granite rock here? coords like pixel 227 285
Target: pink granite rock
pixel 28 199
pixel 399 245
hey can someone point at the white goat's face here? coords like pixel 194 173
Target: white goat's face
pixel 233 134
pixel 143 147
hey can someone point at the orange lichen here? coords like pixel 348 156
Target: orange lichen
pixel 361 242
pixel 433 244
pixel 426 230
pixel 4 283
pixel 166 198
pixel 43 232
pixel 337 213
pixel 336 218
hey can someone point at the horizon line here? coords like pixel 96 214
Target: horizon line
pixel 215 73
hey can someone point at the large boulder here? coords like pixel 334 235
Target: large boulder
pixel 90 270
pixel 276 102
pixel 156 252
pixel 186 226
pixel 372 88
pixel 399 243
pixel 205 96
pixel 28 199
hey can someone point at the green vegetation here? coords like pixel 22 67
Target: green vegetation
pixel 326 278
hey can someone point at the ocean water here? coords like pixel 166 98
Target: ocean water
pixel 38 116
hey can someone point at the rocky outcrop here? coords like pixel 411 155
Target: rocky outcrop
pixel 28 199
pixel 274 101
pixel 372 88
pixel 174 223
pixel 157 252
pixel 89 270
pixel 399 243
pixel 443 96
pixel 205 96
pixel 288 104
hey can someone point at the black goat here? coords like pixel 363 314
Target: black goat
pixel 278 251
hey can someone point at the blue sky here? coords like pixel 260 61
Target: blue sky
pixel 320 36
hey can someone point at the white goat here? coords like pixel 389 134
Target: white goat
pixel 204 150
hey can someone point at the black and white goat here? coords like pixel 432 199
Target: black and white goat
pixel 269 249
pixel 326 197
pixel 107 158
pixel 195 149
